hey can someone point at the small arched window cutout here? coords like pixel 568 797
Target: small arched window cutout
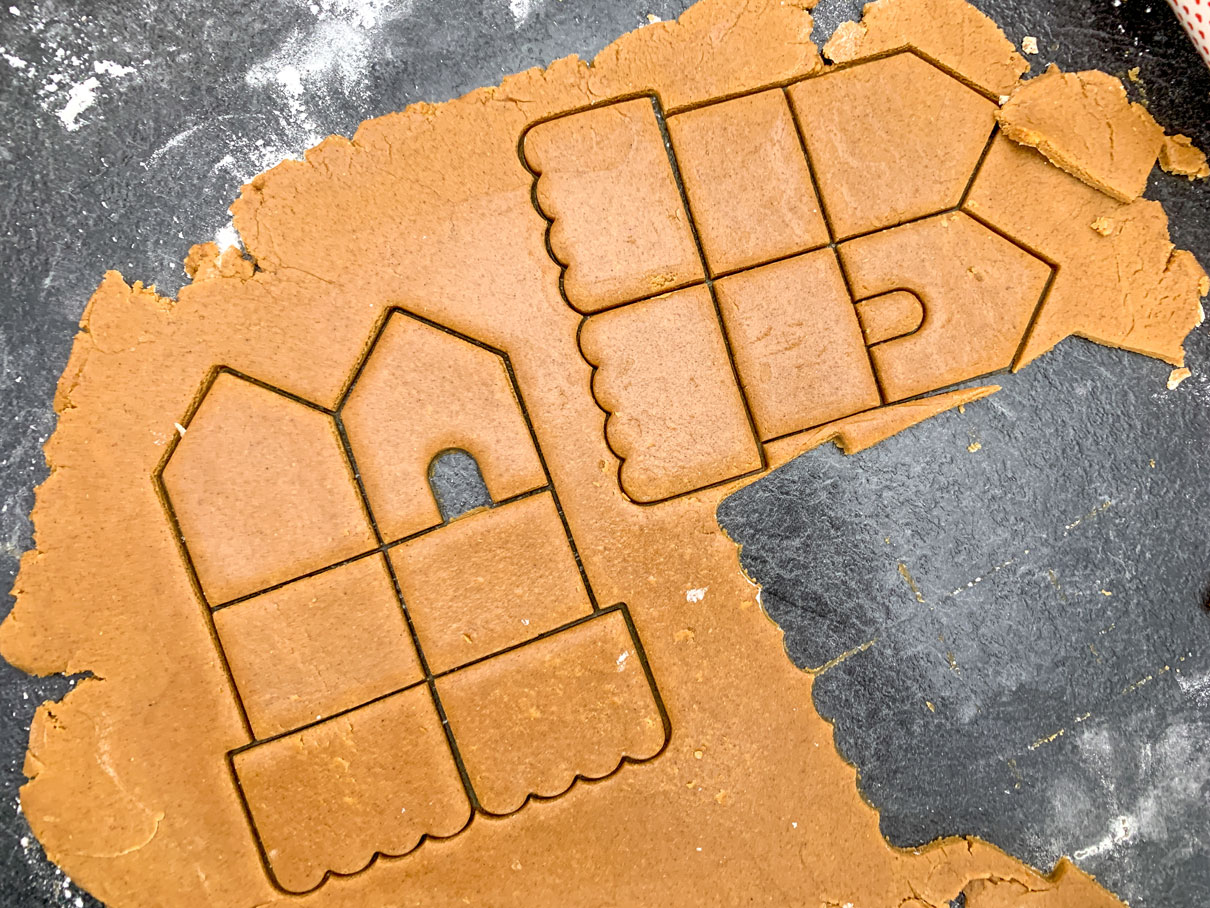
pixel 457 484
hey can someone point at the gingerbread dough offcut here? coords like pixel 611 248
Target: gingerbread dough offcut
pixel 619 291
pixel 1084 123
pixel 1179 155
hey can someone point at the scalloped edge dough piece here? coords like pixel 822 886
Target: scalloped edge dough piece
pixel 331 797
pixel 642 354
pixel 621 232
pixel 520 718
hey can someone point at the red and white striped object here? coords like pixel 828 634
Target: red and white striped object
pixel 1195 16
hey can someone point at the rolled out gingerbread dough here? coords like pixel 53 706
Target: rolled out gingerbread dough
pixel 625 289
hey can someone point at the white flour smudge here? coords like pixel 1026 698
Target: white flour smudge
pixel 12 60
pixel 110 68
pixel 64 70
pixel 172 143
pixel 327 58
pixel 335 52
pixel 320 65
pixel 1170 771
pixel 80 97
pixel 1122 830
pixel 521 10
pixel 83 94
pixel 362 13
pixel 227 236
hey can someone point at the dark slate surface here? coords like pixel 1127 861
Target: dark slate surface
pixel 1010 546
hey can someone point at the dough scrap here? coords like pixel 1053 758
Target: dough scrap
pixel 622 718
pixel 1084 123
pixel 1178 155
pixel 854 434
pixel 1119 282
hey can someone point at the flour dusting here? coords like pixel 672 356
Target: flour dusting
pixel 324 60
pixel 66 70
pixel 1196 688
pixel 83 94
pixel 110 68
pixel 362 13
pixel 54 884
pixel 521 10
pixel 1122 829
pixel 80 97
pixel 226 237
pixel 1170 768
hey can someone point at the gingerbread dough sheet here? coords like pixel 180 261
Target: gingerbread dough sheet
pixel 623 289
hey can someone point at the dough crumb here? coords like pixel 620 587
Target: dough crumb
pixel 206 261
pixel 652 19
pixel 1133 74
pixel 1178 155
pixel 974 446
pixel 1029 44
pixel 1102 225
pixel 1176 377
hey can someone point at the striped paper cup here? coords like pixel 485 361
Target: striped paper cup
pixel 1195 16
